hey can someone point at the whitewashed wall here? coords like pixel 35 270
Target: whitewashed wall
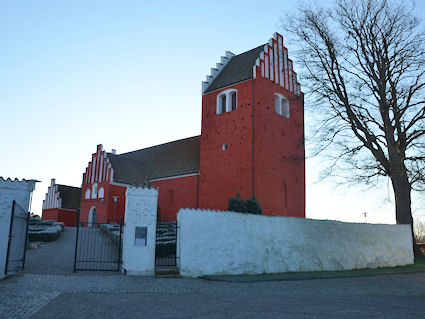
pixel 212 242
pixel 11 190
pixel 140 211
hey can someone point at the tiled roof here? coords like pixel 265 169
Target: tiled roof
pixel 71 196
pixel 127 170
pixel 165 160
pixel 238 69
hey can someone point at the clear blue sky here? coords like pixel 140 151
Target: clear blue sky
pixel 128 74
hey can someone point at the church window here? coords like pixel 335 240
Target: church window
pixel 87 194
pixel 222 105
pixel 233 95
pixel 101 192
pixel 224 147
pixel 227 101
pixel 281 105
pixel 94 191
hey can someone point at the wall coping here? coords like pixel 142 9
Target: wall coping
pixel 141 191
pixel 27 185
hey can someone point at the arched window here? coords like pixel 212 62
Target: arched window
pixel 281 105
pixel 87 196
pixel 227 101
pixel 94 191
pixel 101 192
pixel 92 217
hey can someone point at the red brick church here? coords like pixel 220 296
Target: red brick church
pixel 252 141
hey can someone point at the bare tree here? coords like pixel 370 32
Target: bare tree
pixel 363 63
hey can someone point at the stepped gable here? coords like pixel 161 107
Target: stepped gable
pixel 269 61
pixel 71 196
pixel 238 69
pixel 127 170
pixel 170 159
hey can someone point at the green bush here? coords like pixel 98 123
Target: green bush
pixel 240 205
pixel 44 234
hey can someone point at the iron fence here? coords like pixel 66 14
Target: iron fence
pixel 98 246
pixel 17 243
pixel 166 240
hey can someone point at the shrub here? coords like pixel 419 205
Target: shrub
pixel 44 230
pixel 253 206
pixel 237 204
pixel 240 205
pixel 44 234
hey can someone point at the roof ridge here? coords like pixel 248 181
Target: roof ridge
pixel 262 45
pixel 68 186
pixel 154 146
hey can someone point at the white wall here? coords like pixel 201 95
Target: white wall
pixel 10 190
pixel 211 242
pixel 140 211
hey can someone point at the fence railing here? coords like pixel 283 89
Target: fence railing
pixel 17 243
pixel 98 246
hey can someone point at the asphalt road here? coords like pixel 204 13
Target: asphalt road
pixel 44 291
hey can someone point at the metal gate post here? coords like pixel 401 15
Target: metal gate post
pixel 175 256
pixel 10 236
pixel 76 240
pixel 119 247
pixel 26 240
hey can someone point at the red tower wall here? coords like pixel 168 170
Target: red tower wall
pixel 176 193
pixel 265 150
pixel 223 173
pixel 278 152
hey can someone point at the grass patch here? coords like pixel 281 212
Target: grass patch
pixel 418 266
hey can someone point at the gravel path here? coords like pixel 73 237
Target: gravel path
pixel 55 257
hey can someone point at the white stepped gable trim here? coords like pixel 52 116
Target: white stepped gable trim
pixel 216 71
pixel 52 199
pixel 275 65
pixel 98 169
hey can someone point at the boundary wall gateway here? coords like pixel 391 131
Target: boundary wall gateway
pixel 140 231
pixel 212 243
pixel 11 190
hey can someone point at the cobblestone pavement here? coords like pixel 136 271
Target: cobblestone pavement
pixel 84 295
pixel 46 292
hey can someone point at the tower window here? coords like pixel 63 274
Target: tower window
pixel 227 101
pixel 281 105
pixel 233 95
pixel 222 103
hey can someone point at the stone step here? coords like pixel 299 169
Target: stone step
pixel 167 272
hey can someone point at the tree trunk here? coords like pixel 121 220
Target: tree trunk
pixel 402 192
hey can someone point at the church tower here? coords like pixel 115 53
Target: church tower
pixel 252 138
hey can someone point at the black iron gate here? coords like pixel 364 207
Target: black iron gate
pixel 17 244
pixel 98 246
pixel 166 240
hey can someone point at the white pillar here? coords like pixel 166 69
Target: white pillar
pixel 11 190
pixel 140 231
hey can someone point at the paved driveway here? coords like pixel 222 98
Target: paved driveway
pixel 47 293
pixel 118 296
pixel 56 257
